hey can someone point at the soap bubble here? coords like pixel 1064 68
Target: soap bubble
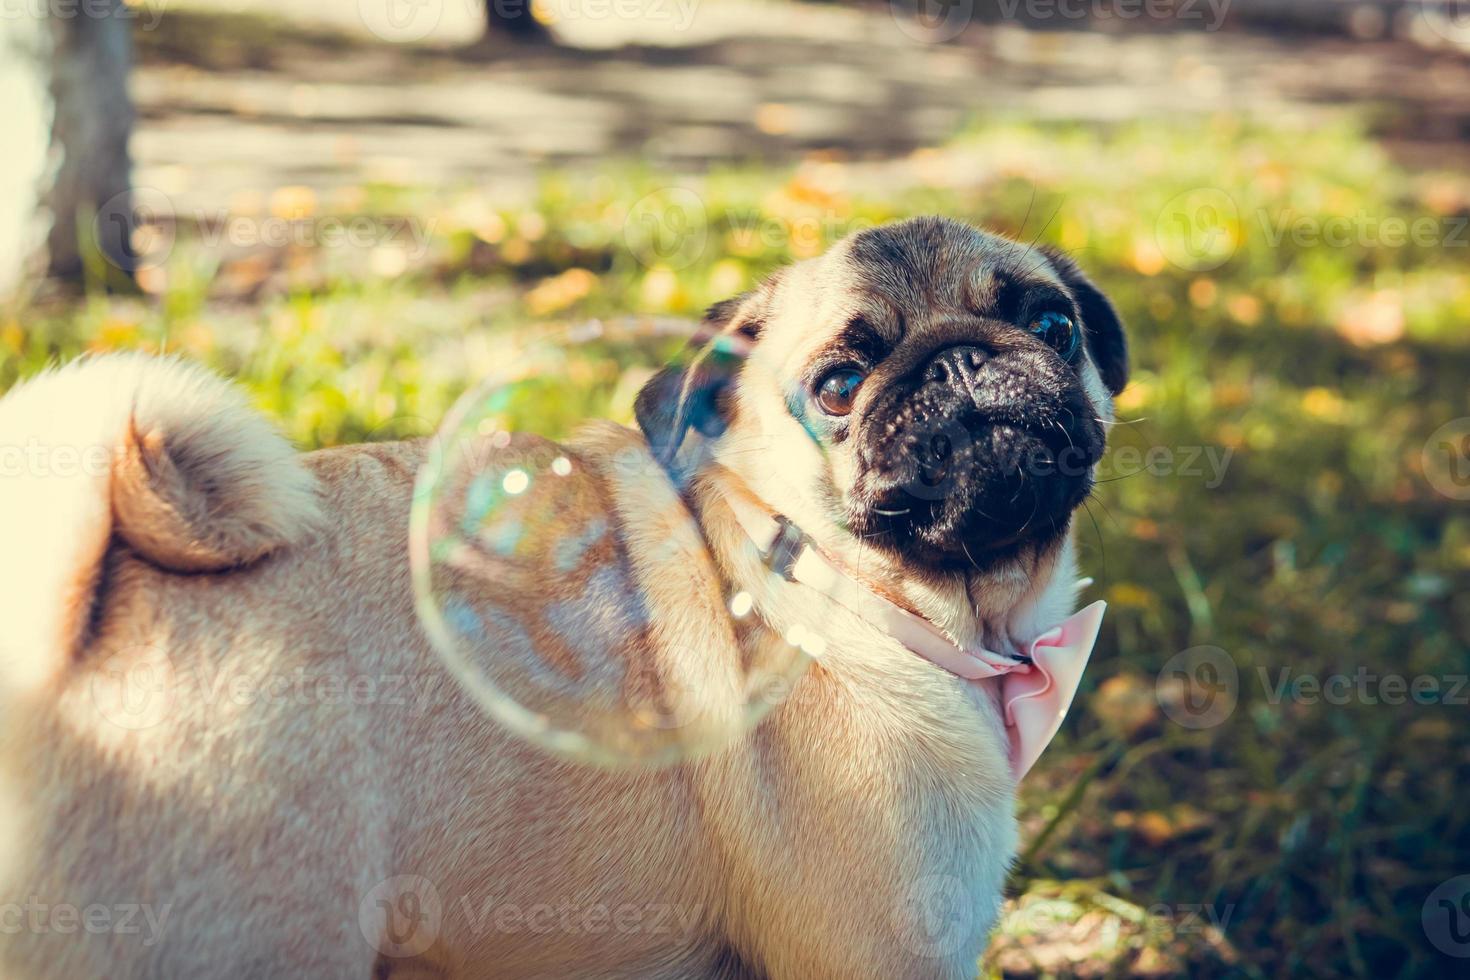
pixel 562 578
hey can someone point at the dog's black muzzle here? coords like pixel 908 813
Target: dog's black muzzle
pixel 977 452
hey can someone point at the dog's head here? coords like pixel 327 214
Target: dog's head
pixel 936 390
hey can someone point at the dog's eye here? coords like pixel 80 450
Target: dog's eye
pixel 1057 330
pixel 838 389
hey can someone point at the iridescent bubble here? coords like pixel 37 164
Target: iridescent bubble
pixel 564 614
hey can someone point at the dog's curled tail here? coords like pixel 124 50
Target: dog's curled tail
pixel 155 453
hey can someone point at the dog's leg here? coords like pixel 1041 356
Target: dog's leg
pixel 870 871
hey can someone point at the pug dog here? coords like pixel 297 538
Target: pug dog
pixel 228 749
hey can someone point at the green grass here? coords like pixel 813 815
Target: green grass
pixel 1310 833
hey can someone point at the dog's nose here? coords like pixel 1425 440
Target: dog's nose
pixel 956 365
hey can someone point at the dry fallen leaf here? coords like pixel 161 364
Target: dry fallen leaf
pixel 1125 704
pixel 1377 318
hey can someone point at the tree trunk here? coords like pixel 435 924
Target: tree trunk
pixel 65 204
pixel 512 19
pixel 89 196
pixel 25 46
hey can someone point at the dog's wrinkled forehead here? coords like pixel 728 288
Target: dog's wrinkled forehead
pixel 922 284
pixel 938 266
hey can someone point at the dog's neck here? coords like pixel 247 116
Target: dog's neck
pixel 1000 609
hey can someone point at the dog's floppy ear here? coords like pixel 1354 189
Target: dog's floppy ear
pixel 1100 323
pixel 689 393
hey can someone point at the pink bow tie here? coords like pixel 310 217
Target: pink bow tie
pixel 1035 693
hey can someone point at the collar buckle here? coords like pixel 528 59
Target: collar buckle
pixel 786 549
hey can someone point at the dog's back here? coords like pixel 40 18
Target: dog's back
pixel 223 736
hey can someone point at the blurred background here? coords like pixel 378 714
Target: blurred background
pixel 350 205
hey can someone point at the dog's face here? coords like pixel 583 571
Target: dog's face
pixel 953 384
